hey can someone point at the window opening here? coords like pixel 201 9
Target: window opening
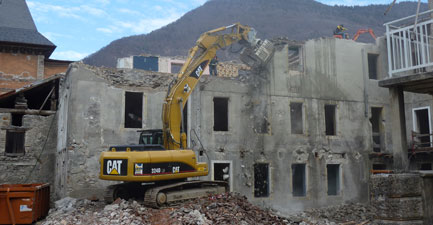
pixel 295 58
pixel 299 187
pixel 175 67
pixel 133 109
pixel 261 180
pixel 296 120
pixel 221 171
pixel 333 171
pixel 379 167
pixel 330 119
pixel 375 120
pixel 221 122
pixel 422 126
pixel 17 119
pixel 372 66
pixel 15 139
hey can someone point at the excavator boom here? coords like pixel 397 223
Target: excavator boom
pixel 161 160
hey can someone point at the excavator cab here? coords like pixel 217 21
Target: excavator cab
pixel 151 137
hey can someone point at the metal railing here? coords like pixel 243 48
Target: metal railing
pixel 409 44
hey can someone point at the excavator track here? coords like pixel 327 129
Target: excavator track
pixel 109 194
pixel 165 195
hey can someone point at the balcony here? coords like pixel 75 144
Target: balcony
pixel 410 53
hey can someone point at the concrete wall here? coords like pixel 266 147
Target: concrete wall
pixel 335 73
pixel 91 118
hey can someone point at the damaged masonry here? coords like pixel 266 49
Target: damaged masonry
pixel 279 165
pixel 309 138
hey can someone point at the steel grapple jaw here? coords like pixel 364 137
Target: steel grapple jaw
pixel 259 54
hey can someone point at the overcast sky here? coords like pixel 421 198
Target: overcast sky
pixel 81 27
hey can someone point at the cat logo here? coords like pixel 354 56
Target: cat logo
pixel 114 167
pixel 199 70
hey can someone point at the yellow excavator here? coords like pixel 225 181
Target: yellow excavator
pixel 158 167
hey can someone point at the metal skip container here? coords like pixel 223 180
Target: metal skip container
pixel 23 203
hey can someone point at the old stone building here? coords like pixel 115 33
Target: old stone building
pixel 29 84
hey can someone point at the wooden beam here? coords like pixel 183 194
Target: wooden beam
pixel 28 111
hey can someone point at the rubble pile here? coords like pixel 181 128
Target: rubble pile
pixel 227 208
pixel 352 213
pixel 70 211
pixel 133 77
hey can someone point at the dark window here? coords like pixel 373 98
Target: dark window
pixel 295 58
pixel 379 167
pixel 333 171
pixel 299 186
pixel 15 139
pixel 330 121
pixel 423 127
pixel 375 120
pixel 221 171
pixel 296 120
pixel 261 180
pixel 425 166
pixel 17 120
pixel 221 117
pixel 372 66
pixel 133 109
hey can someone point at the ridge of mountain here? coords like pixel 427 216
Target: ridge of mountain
pixel 294 19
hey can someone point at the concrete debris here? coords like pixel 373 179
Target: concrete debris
pixel 229 208
pixel 351 213
pixel 133 77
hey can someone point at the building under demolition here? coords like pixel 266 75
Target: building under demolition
pixel 307 130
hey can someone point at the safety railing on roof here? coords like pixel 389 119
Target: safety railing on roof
pixel 421 142
pixel 409 44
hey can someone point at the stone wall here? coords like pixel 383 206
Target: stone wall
pixel 401 198
pixel 37 165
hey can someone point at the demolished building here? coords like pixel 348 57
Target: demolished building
pixel 305 131
pixel 293 136
pixel 29 84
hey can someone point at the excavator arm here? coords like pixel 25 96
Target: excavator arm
pixel 362 31
pixel 198 59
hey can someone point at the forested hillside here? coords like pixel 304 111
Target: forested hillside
pixel 295 19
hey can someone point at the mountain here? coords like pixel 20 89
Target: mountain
pixel 295 19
